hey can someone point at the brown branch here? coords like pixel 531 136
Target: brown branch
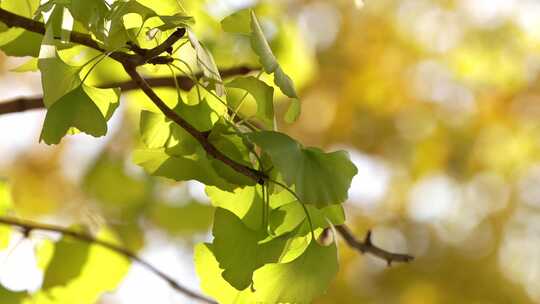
pixel 166 46
pixel 185 83
pixel 21 104
pixel 367 246
pixel 29 226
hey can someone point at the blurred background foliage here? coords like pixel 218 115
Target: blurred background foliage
pixel 438 102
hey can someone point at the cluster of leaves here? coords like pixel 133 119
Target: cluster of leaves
pixel 269 235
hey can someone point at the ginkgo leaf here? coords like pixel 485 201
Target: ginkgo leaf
pixel 226 140
pixel 241 250
pixel 288 217
pixel 67 262
pixel 90 283
pixel 206 62
pixel 91 14
pixel 263 95
pixel 268 60
pixel 118 35
pixel 12 297
pixel 246 203
pixel 235 246
pixel 155 129
pixel 238 22
pixel 16 41
pixel 85 108
pixel 184 220
pixel 57 78
pixel 297 281
pixel 318 178
pixel 196 166
pixel 175 21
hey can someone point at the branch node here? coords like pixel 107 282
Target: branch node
pixel 367 239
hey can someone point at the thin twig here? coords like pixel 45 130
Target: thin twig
pixel 28 226
pixel 166 45
pixel 367 246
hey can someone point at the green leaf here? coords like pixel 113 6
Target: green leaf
pixel 155 129
pixel 239 22
pixel 17 41
pixel 12 297
pixel 118 34
pixel 206 62
pixel 57 78
pixel 246 203
pixel 288 217
pixel 184 220
pixel 196 166
pixel 261 47
pixel 263 95
pixel 241 250
pixel 235 247
pixel 268 60
pixel 293 111
pixel 91 14
pixel 102 179
pixel 225 139
pixel 318 178
pixel 85 108
pixel 175 21
pixel 67 262
pixel 297 281
pixel 90 283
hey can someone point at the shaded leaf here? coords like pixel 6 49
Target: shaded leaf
pixel 85 108
pixel 318 178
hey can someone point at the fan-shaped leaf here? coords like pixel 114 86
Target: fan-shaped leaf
pixel 318 178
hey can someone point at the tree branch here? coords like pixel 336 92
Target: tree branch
pixel 185 83
pixel 28 226
pixel 368 247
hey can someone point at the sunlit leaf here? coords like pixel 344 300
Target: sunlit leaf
pixel 298 281
pixel 184 220
pixel 85 108
pixel 238 22
pixel 206 62
pixel 263 95
pixel 196 166
pixel 90 283
pixel 288 217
